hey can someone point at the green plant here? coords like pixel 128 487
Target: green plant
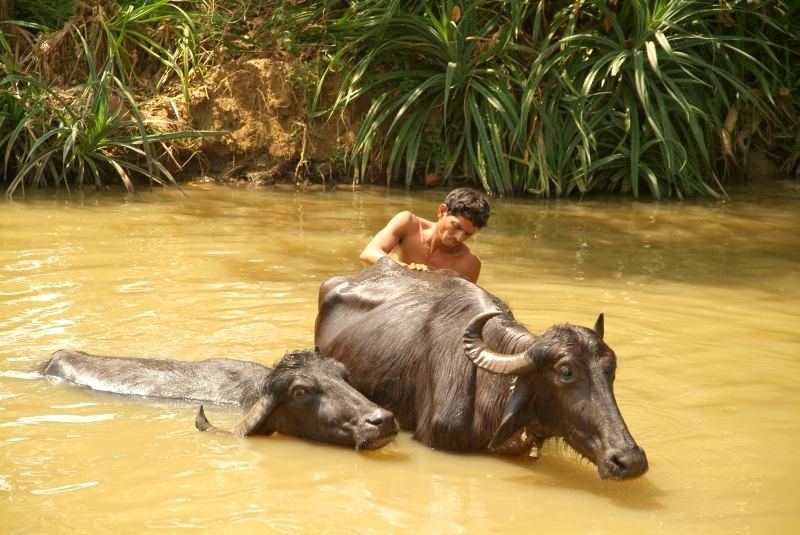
pixel 50 15
pixel 159 28
pixel 552 98
pixel 147 40
pixel 228 28
pixel 23 113
pixel 638 102
pixel 45 137
pixel 430 73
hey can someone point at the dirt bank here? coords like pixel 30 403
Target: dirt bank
pixel 261 106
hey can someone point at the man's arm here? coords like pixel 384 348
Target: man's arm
pixel 388 237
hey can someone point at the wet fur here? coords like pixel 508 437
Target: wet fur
pixel 330 410
pixel 399 333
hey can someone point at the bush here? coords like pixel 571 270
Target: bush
pixel 95 129
pixel 553 98
pixel 647 97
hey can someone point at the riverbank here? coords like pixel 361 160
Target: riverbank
pixel 546 101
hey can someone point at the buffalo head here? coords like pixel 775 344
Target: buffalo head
pixel 307 395
pixel 562 386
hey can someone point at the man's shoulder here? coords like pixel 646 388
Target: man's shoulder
pixel 409 221
pixel 469 257
pixel 469 264
pixel 401 219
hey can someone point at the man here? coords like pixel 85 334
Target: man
pixel 422 245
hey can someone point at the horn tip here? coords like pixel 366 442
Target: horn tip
pixel 201 421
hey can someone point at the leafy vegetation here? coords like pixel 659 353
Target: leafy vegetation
pixel 48 137
pixel 49 15
pixel 553 98
pixel 648 98
pixel 96 129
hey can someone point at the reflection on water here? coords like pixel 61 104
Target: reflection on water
pixel 701 304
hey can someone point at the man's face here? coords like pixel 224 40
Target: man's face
pixel 453 229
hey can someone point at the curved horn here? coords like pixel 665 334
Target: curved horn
pixel 249 425
pixel 515 364
pixel 254 422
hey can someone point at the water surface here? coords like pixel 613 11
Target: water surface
pixel 702 302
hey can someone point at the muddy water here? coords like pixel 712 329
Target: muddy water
pixel 702 304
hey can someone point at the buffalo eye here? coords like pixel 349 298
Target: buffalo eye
pixel 299 392
pixel 565 372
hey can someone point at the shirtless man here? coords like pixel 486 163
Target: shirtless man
pixel 421 244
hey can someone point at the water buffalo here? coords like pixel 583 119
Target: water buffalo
pixel 449 359
pixel 304 395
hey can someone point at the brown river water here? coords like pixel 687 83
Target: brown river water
pixel 702 306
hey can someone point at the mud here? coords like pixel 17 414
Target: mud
pixel 261 106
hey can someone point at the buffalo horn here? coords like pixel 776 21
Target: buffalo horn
pixel 515 364
pixel 599 325
pixel 254 421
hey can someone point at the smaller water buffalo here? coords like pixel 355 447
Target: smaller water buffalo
pixel 304 395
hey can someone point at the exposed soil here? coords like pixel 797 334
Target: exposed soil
pixel 261 106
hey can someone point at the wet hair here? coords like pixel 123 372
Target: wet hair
pixel 469 203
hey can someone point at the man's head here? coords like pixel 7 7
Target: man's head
pixel 462 214
pixel 468 203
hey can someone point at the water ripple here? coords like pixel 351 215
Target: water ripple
pixel 141 286
pixel 21 375
pixel 74 405
pixel 58 418
pixel 65 488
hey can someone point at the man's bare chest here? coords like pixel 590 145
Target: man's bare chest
pixel 419 253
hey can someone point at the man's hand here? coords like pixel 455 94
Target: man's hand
pixel 417 267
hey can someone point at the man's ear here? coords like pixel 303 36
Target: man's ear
pixel 442 210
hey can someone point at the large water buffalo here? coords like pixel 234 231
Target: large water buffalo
pixel 304 395
pixel 456 368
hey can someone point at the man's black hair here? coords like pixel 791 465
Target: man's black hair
pixel 469 203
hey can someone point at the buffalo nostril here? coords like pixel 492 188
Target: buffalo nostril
pixel 619 463
pixel 628 463
pixel 380 417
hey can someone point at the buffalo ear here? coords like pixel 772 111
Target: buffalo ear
pixel 510 423
pixel 599 325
